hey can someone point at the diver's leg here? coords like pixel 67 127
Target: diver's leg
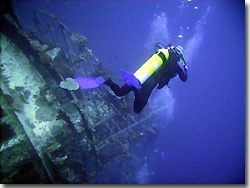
pixel 142 95
pixel 139 102
pixel 116 89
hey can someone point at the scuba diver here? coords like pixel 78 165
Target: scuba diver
pixel 164 64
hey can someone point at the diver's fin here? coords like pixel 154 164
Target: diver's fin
pixel 89 82
pixel 130 79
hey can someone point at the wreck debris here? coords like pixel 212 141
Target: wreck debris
pixel 71 134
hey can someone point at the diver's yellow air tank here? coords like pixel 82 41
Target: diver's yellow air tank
pixel 151 66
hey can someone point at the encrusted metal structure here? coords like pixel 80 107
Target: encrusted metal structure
pixel 58 135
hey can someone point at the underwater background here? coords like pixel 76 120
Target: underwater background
pixel 202 133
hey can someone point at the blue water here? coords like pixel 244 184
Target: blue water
pixel 202 139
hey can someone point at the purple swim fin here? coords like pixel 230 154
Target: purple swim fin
pixel 130 79
pixel 89 82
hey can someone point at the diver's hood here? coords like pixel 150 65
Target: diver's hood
pixel 180 50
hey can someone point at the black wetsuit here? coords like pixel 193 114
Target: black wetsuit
pixel 169 70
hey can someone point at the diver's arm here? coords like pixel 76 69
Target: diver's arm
pixel 181 71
